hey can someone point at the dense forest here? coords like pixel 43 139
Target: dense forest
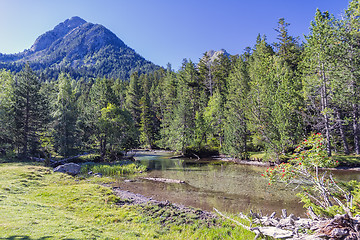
pixel 266 99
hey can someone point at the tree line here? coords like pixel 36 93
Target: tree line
pixel 266 99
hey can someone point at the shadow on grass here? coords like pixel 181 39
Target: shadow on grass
pixel 22 237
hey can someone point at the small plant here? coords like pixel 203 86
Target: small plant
pixel 307 168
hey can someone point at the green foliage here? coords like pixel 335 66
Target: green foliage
pixel 320 190
pixel 6 111
pixel 148 122
pixel 311 154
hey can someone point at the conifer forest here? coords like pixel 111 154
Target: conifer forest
pixel 266 99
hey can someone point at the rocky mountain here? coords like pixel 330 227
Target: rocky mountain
pixel 213 55
pixel 82 49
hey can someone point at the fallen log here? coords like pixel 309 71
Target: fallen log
pixel 164 180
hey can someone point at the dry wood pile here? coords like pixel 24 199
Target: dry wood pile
pixel 342 227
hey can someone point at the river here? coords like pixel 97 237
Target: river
pixel 228 187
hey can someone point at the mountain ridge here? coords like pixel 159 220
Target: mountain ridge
pixel 77 45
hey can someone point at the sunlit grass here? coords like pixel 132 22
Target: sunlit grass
pixel 36 203
pixel 118 169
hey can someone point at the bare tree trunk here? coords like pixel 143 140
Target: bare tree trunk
pixel 356 129
pixel 324 105
pixel 342 133
pixel 26 127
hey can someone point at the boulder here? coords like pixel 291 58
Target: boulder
pixel 69 168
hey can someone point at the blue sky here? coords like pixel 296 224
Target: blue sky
pixel 164 31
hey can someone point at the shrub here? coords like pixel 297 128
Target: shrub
pixel 308 168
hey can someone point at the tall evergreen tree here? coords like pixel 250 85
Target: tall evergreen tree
pixel 169 90
pixel 31 111
pixel 65 117
pixel 101 94
pixel 236 132
pixel 287 46
pixel 349 72
pixel 133 96
pixel 274 100
pixel 148 121
pixel 6 103
pixel 319 69
pixel 190 99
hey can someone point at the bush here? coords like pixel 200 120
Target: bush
pixel 320 190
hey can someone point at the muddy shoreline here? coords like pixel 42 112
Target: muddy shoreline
pixel 168 212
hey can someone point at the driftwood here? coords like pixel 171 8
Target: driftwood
pixel 342 227
pixel 164 180
pixel 186 156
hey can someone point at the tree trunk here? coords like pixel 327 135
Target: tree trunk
pixel 356 129
pixel 324 105
pixel 342 133
pixel 26 127
pixel 102 148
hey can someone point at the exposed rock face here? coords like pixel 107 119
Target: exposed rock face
pixel 212 55
pixel 215 54
pixel 69 168
pixel 48 38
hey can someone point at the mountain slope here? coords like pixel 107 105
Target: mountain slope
pixel 76 45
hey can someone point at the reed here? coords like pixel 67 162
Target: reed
pixel 117 169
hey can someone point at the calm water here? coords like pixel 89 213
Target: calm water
pixel 227 187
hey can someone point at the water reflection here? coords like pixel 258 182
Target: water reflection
pixel 227 187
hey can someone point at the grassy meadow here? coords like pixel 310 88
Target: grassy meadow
pixel 36 203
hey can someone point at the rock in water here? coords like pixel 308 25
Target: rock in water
pixel 69 168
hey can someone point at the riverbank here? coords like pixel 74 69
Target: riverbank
pixel 37 203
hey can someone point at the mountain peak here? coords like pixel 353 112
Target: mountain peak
pixel 82 48
pixel 212 55
pixel 75 20
pixel 215 54
pixel 60 30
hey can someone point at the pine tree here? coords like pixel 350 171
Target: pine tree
pixel 101 94
pixel 31 111
pixel 148 121
pixel 133 96
pixel 236 132
pixel 169 102
pixel 319 68
pixel 65 117
pixel 6 111
pixel 287 46
pixel 214 118
pixel 274 101
pixel 190 100
pixel 349 72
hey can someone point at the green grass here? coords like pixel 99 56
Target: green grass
pixel 118 169
pixel 36 203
